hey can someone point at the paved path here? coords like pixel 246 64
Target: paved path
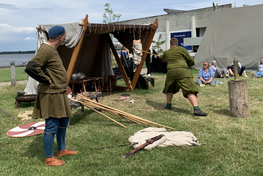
pixel 9 83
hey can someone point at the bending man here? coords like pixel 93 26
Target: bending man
pixel 52 102
pixel 179 77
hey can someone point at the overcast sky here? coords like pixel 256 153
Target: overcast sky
pixel 19 18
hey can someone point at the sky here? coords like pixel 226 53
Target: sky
pixel 19 18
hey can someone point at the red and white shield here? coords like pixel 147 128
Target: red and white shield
pixel 29 129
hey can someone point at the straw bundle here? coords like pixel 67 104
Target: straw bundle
pixel 81 98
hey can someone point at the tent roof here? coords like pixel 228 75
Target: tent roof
pixel 89 53
pixel 125 33
pixel 233 33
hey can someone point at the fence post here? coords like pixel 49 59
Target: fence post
pixel 13 73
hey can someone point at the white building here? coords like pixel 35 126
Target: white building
pixel 187 26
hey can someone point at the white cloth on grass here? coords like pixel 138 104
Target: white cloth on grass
pixel 170 138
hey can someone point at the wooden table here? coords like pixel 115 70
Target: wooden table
pixel 82 82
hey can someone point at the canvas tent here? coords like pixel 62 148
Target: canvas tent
pixel 88 47
pixel 233 33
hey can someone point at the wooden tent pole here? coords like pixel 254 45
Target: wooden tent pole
pixel 146 48
pixel 76 50
pixel 124 75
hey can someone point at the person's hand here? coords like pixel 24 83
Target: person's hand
pixel 50 81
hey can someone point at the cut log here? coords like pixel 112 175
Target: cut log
pixel 238 98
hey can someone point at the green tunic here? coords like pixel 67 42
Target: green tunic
pixel 51 100
pixel 178 76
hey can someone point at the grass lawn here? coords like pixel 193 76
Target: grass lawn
pixel 6 74
pixel 230 146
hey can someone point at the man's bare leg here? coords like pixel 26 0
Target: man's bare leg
pixel 169 97
pixel 230 71
pixel 193 101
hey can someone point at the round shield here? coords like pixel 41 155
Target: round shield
pixel 29 129
pixel 68 91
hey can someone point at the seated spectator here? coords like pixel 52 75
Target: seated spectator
pixel 241 70
pixel 206 76
pixel 217 72
pixel 125 52
pixel 259 72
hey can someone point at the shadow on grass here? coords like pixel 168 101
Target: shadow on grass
pixel 160 106
pixel 25 105
pixel 90 117
pixel 36 148
pixel 221 112
pixel 79 116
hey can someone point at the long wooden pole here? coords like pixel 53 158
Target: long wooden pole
pixel 235 66
pixel 108 117
pixel 122 70
pixel 112 112
pixel 121 112
pixel 76 50
pixel 147 52
pixel 146 48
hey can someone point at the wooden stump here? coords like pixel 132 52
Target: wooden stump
pixel 13 73
pixel 238 98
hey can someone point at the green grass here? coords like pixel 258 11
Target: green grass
pixel 6 74
pixel 230 146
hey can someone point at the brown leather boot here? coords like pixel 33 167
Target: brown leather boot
pixel 66 152
pixel 53 161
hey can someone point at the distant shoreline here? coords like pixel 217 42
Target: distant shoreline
pixel 17 52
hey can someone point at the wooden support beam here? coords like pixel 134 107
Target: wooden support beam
pixel 76 50
pixel 146 48
pixel 124 75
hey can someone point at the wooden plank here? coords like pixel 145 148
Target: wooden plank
pixel 124 75
pixel 75 53
pixel 146 48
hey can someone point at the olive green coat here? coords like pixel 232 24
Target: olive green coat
pixel 178 61
pixel 51 100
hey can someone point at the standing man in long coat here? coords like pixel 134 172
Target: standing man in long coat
pixel 52 102
pixel 179 77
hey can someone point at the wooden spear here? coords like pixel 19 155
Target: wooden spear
pixel 115 114
pixel 124 113
pixel 102 114
pixel 147 52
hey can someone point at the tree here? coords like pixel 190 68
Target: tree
pixel 109 16
pixel 157 45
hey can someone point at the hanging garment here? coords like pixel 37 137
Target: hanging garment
pixel 137 54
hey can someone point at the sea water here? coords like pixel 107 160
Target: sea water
pixel 19 59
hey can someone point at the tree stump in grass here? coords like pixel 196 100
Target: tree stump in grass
pixel 238 98
pixel 238 95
